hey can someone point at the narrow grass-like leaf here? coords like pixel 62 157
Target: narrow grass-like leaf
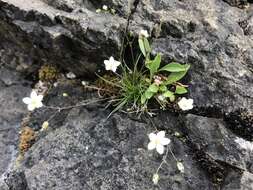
pixel 146 45
pixel 143 99
pixel 142 46
pixel 121 104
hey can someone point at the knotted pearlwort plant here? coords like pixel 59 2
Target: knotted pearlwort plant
pixel 149 80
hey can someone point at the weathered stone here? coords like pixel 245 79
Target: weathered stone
pixel 47 35
pixel 87 151
pixel 205 34
pixel 83 150
pixel 12 89
pixel 236 181
pixel 217 141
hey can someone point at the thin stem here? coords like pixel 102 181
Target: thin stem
pixel 173 154
pixel 164 160
pixel 59 109
pixel 85 103
pixel 97 88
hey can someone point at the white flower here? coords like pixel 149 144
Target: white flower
pixel 34 101
pixel 158 141
pixel 180 167
pixel 155 178
pixel 105 8
pixel 84 83
pixel 144 33
pixel 98 10
pixel 44 126
pixel 185 104
pixel 70 75
pixel 111 64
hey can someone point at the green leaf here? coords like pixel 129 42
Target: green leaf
pixel 148 94
pixel 153 88
pixel 174 77
pixel 180 90
pixel 170 95
pixel 143 99
pixel 146 45
pixel 175 67
pixel 163 88
pixel 172 98
pixel 154 65
pixel 119 106
pixel 142 46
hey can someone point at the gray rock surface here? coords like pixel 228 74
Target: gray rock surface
pixel 13 89
pixel 87 151
pixel 207 35
pixel 214 37
pixel 83 150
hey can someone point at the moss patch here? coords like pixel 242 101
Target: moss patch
pixel 27 138
pixel 48 73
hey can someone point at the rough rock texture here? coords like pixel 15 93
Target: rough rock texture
pixel 214 37
pixel 41 34
pixel 83 150
pixel 13 89
pixel 207 35
pixel 87 151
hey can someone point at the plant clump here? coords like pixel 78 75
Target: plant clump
pixel 149 80
pixel 48 73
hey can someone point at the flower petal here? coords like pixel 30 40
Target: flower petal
pixel 39 104
pixel 161 134
pixel 114 69
pixel 39 98
pixel 165 141
pixel 30 107
pixel 111 59
pixel 190 101
pixel 152 136
pixel 117 63
pixel 27 100
pixel 151 145
pixel 107 65
pixel 160 148
pixel 33 94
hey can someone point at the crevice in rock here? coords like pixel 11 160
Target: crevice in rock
pixel 240 123
pixel 246 27
pixel 16 181
pixel 10 11
pixel 238 3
